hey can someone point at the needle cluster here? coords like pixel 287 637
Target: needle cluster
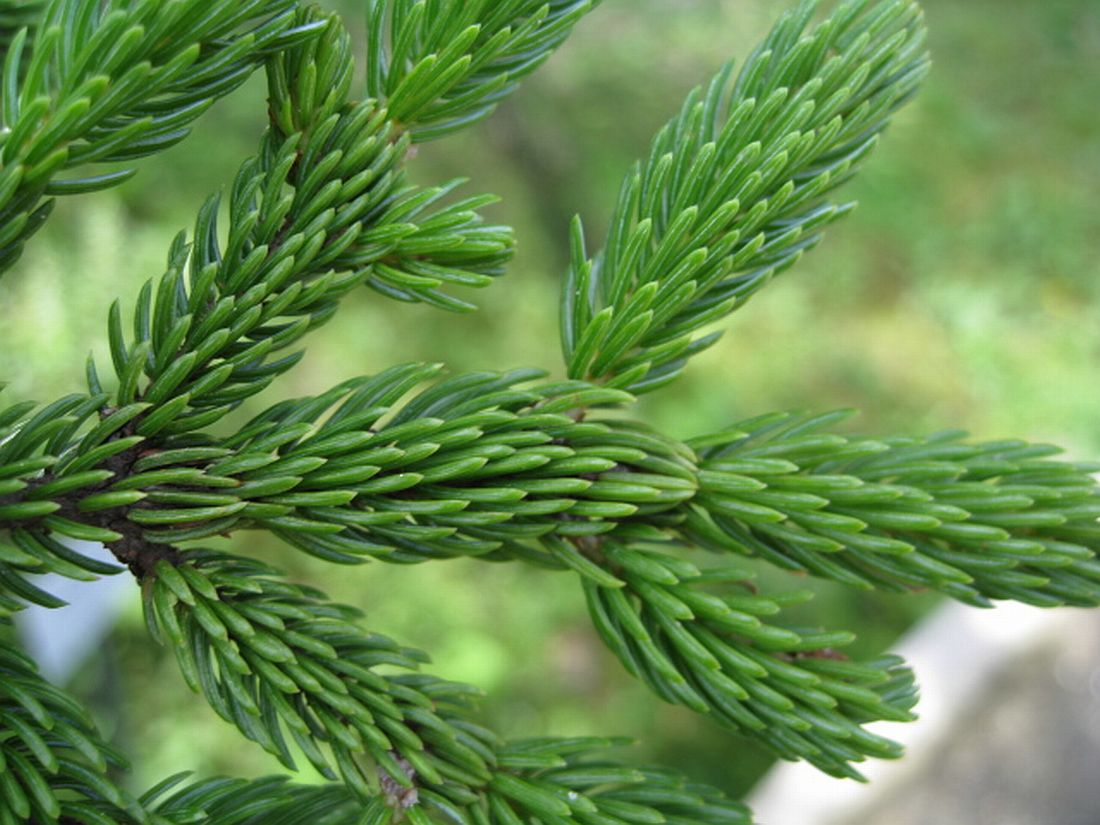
pixel 406 466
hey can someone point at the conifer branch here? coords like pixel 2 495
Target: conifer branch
pixel 999 520
pixel 736 188
pixel 441 65
pixel 321 210
pixel 53 761
pixel 276 659
pixel 710 651
pixel 493 465
pixel 544 774
pixel 106 83
pixel 280 662
pixel 407 468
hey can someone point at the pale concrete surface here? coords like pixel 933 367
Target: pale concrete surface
pixel 1026 753
pixel 1009 731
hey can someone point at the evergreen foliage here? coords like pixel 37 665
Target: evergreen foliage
pixel 407 467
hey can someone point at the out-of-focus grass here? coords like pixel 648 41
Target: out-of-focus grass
pixel 963 292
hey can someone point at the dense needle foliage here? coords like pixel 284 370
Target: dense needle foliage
pixel 406 466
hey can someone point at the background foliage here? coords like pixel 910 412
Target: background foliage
pixel 963 293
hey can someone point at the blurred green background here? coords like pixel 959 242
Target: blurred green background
pixel 962 293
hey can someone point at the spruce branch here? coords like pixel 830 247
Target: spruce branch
pixel 275 658
pixel 710 651
pixel 321 210
pixel 544 775
pixel 113 82
pixel 266 801
pixel 477 465
pixel 977 521
pixel 279 661
pixel 735 189
pixel 495 466
pixel 53 762
pixel 404 467
pixel 440 65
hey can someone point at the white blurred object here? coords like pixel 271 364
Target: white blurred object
pixel 954 652
pixel 61 639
